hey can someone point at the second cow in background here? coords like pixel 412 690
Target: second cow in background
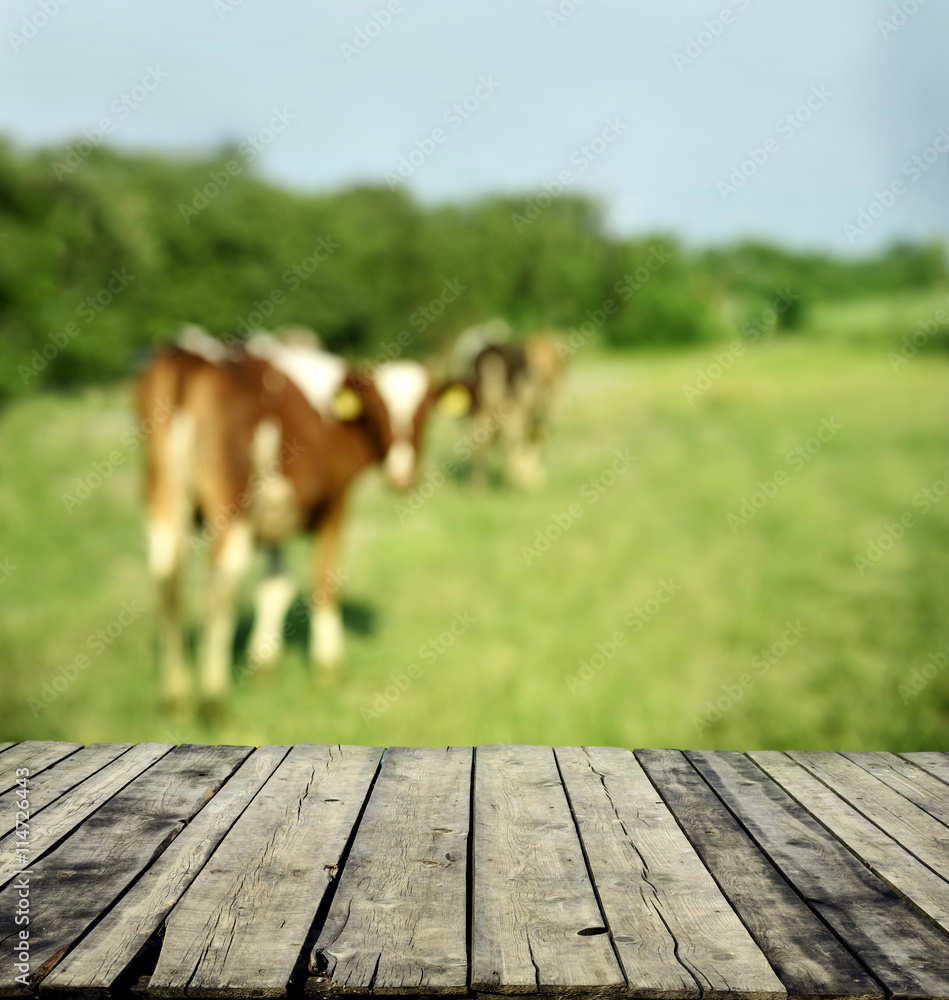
pixel 514 388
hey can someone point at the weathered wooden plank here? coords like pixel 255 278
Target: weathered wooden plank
pixel 71 809
pixel 932 761
pixel 36 755
pixel 81 878
pixel 675 933
pixel 50 784
pixel 536 924
pixel 910 826
pixel 6 746
pixel 246 916
pixel 900 947
pixel 398 922
pixel 903 872
pixel 920 787
pixel 808 958
pixel 101 959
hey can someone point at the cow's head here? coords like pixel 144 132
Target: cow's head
pixel 408 393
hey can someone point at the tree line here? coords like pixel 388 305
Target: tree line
pixel 104 254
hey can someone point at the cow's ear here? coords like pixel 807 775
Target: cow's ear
pixel 454 400
pixel 347 405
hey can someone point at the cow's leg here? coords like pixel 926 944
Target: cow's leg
pixel 168 521
pixel 326 621
pixel 523 466
pixel 168 568
pixel 231 555
pixel 272 601
pixel 483 431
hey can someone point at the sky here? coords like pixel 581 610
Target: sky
pixel 817 125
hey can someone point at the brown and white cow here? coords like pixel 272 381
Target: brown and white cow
pixel 514 389
pixel 262 442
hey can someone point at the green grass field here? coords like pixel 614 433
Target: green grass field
pixel 697 630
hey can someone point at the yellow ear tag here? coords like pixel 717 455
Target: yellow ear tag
pixel 455 401
pixel 346 404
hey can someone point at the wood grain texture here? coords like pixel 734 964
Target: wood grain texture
pixel 916 830
pixel 36 755
pixel 80 879
pixel 246 916
pixel 933 762
pixel 536 923
pixel 104 955
pixel 806 955
pixel 72 809
pixel 887 860
pixel 919 786
pixel 50 784
pixel 675 933
pixel 896 944
pixel 398 922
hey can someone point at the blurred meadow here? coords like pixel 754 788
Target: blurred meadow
pixel 743 541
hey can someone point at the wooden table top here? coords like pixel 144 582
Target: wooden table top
pixel 575 871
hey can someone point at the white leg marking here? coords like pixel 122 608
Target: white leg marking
pixel 231 564
pixel 273 599
pixel 164 546
pixel 326 636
